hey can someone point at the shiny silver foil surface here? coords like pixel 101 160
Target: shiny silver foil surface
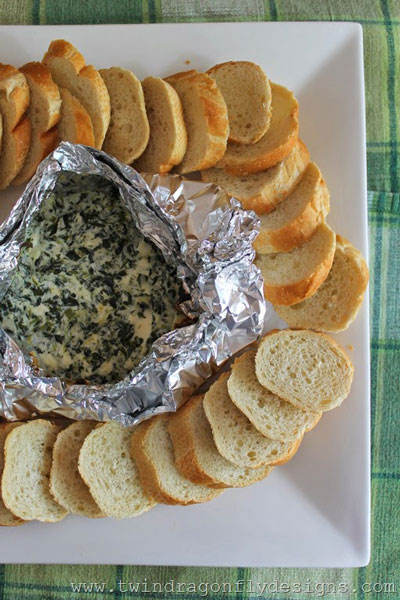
pixel 200 230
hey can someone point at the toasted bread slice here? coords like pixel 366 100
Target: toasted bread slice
pixel 75 125
pixel 27 463
pixel 106 466
pixel 262 191
pixel 270 415
pixel 290 277
pixel 206 119
pixel 44 113
pixel 296 219
pixel 14 101
pixel 69 70
pixel 274 146
pixel 14 91
pixel 154 455
pixel 247 93
pixel 66 483
pixel 196 455
pixel 235 437
pixel 7 518
pixel 128 133
pixel 336 303
pixel 1 131
pixel 168 138
pixel 306 368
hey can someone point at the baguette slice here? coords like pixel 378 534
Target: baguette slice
pixel 274 146
pixel 306 368
pixel 206 119
pixel 69 70
pixel 14 93
pixel 75 125
pixel 295 219
pixel 128 133
pixel 196 455
pixel 154 455
pixel 14 101
pixel 66 483
pixel 270 415
pixel 168 138
pixel 7 518
pixel 247 93
pixel 235 437
pixel 27 463
pixel 336 303
pixel 290 277
pixel 44 114
pixel 107 468
pixel 262 191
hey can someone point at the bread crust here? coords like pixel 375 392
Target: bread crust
pixel 260 204
pixel 90 509
pixel 173 115
pixel 180 145
pixel 266 202
pixel 292 451
pixel 16 125
pixel 183 433
pixel 251 65
pixel 342 245
pixel 332 341
pixel 109 509
pixel 179 148
pixel 185 453
pixel 22 137
pixel 315 422
pixel 125 116
pixel 299 230
pixel 292 293
pixel 296 291
pixel 334 344
pixel 84 127
pixel 16 91
pixel 9 520
pixel 49 141
pixel 61 49
pixel 291 447
pixel 83 124
pixel 53 430
pixel 241 402
pixel 41 75
pixel 242 164
pixel 215 116
pixel 147 471
pixel 363 267
pixel 43 138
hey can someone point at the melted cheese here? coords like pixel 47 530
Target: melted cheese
pixel 90 293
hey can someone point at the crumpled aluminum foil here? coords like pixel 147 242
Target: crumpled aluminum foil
pixel 200 230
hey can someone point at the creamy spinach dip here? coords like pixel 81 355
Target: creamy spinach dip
pixel 90 293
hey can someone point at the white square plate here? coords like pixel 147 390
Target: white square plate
pixel 314 511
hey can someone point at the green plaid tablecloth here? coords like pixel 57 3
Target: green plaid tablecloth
pixel 381 24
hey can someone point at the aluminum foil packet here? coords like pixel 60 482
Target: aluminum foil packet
pixel 201 231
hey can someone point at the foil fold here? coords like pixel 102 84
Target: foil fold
pixel 208 238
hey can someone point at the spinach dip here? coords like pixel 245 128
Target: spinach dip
pixel 90 294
